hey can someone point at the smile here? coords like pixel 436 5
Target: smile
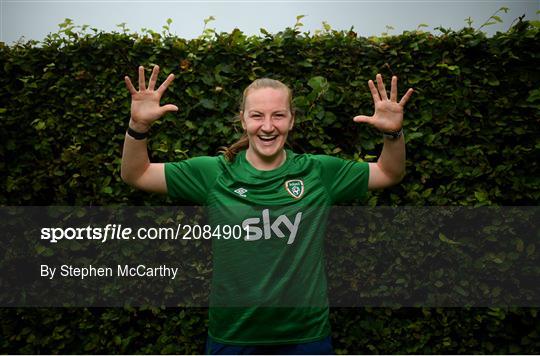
pixel 267 138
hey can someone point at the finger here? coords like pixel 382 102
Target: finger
pixel 142 81
pixel 380 85
pixel 165 84
pixel 363 118
pixel 374 92
pixel 406 97
pixel 130 86
pixel 153 78
pixel 169 107
pixel 393 89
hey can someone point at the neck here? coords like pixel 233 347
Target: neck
pixel 266 164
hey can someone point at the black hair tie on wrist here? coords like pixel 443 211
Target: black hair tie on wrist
pixel 137 135
pixel 393 135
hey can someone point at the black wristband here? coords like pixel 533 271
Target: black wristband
pixel 137 135
pixel 393 135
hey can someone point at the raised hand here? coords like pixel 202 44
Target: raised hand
pixel 145 107
pixel 388 116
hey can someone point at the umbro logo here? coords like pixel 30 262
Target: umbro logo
pixel 241 191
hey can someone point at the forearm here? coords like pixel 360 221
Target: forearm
pixel 135 159
pixel 392 158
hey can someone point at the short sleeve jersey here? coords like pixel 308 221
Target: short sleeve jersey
pixel 269 286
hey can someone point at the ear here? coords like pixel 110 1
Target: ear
pixel 292 122
pixel 242 120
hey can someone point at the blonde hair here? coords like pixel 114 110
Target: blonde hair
pixel 243 143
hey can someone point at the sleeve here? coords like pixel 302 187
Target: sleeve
pixel 191 180
pixel 345 180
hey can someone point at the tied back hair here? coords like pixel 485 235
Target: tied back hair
pixel 243 142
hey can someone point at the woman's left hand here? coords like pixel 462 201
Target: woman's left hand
pixel 388 116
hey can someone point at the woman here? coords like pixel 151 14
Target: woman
pixel 268 292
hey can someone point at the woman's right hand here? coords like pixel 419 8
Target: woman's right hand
pixel 145 107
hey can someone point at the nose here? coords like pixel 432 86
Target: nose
pixel 267 125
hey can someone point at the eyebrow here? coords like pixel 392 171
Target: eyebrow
pixel 260 112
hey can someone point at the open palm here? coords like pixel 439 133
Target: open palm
pixel 388 116
pixel 145 107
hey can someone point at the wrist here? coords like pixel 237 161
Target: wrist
pixel 138 127
pixel 393 135
pixel 137 131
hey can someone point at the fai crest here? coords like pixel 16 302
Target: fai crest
pixel 295 187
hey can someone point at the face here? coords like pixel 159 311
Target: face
pixel 267 120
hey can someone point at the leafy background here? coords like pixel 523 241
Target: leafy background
pixel 471 128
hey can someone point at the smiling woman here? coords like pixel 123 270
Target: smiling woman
pixel 268 295
pixel 267 116
pixel 267 124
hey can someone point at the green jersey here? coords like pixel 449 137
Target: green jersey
pixel 268 285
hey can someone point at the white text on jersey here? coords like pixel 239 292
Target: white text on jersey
pixel 255 233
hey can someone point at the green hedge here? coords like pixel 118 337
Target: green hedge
pixel 471 126
pixel 358 331
pixel 472 131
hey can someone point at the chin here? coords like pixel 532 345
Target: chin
pixel 269 151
